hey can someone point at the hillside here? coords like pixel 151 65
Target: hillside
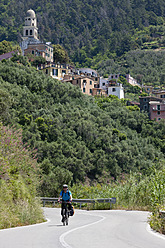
pixel 77 137
pixel 89 28
pixel 19 174
pixel 147 66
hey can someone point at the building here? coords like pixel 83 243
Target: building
pixel 99 92
pixel 159 93
pixel 117 90
pixel 103 83
pixel 8 55
pixel 128 77
pixel 89 73
pixel 156 110
pixel 145 102
pixel 133 103
pixel 57 71
pixel 86 84
pixel 31 45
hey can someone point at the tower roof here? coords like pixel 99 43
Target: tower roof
pixel 30 13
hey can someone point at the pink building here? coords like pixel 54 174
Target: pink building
pixel 157 110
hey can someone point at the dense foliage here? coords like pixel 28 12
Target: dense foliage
pixel 78 138
pixel 89 28
pixel 148 67
pixel 134 191
pixel 101 34
pixel 18 181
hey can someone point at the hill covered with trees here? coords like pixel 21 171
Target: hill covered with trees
pixel 78 138
pixel 96 33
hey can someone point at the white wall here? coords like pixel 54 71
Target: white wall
pixel 116 91
pixel 103 83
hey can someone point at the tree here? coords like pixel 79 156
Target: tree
pixel 60 54
pixel 7 46
pixel 38 61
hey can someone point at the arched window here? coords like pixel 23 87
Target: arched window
pixel 31 32
pixel 26 32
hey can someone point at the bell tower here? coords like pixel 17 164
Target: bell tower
pixel 30 29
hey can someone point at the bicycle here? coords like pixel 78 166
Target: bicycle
pixel 65 213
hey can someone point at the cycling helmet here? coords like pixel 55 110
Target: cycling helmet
pixel 65 186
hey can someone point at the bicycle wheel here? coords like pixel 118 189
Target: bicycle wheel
pixel 66 216
pixel 63 217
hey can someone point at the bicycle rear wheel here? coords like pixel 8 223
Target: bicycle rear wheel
pixel 66 217
pixel 63 217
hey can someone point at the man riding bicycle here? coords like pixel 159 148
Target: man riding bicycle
pixel 66 196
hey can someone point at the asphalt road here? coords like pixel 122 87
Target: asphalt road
pixel 87 229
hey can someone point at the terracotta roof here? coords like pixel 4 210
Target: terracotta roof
pixel 7 55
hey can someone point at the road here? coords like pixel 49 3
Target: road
pixel 89 229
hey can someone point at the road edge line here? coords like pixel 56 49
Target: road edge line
pixel 17 227
pixel 153 232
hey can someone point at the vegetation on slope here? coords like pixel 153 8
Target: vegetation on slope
pixel 77 138
pixel 18 181
pixel 88 28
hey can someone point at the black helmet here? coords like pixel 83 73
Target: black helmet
pixel 65 186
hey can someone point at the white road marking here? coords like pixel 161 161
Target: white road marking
pixel 158 235
pixel 62 237
pixel 13 228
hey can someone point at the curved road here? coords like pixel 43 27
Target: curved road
pixel 89 229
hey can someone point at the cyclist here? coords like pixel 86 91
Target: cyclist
pixel 66 196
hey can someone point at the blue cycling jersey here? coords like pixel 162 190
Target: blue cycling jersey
pixel 65 196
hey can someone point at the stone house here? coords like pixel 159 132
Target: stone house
pixel 86 84
pixel 156 110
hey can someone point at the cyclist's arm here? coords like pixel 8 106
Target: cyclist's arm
pixel 60 196
pixel 70 197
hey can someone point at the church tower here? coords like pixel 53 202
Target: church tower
pixel 30 29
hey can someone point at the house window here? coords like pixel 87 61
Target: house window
pixel 26 32
pixel 31 32
pixel 113 89
pixel 90 82
pixel 144 100
pixel 46 71
pixel 32 51
pixel 111 76
pixel 145 107
pixel 84 90
pixel 84 81
pixel 116 76
pixel 63 71
pixel 29 19
pixel 158 113
pixel 95 79
pixel 32 24
pixel 77 81
pixel 159 119
pixel 158 107
pixel 103 84
pixel 90 91
pixel 55 72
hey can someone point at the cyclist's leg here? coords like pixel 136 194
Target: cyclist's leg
pixel 62 211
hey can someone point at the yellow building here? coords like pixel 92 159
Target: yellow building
pixel 56 71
